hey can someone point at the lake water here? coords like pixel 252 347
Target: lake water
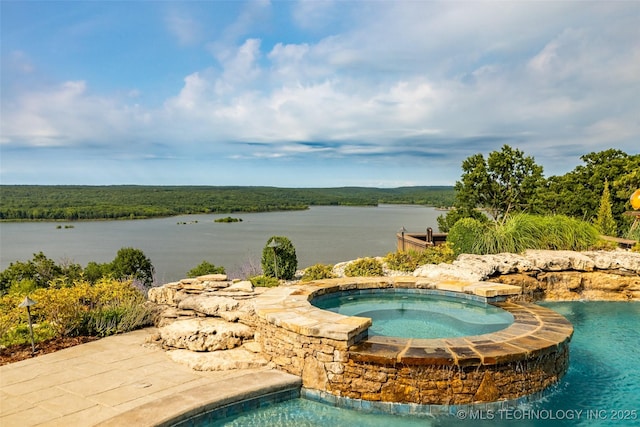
pixel 321 234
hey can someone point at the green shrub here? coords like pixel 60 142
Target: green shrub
pixel 464 234
pixel 20 334
pixel 119 318
pixel 203 268
pixel 401 260
pixel 364 267
pixel 520 232
pixel 318 272
pixel 408 261
pixel 436 255
pixel 283 256
pixel 264 281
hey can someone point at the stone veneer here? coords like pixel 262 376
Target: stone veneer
pixel 333 353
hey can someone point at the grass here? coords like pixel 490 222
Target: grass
pixel 521 232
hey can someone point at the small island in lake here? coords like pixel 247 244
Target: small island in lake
pixel 228 219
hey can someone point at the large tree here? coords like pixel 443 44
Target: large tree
pixel 505 182
pixel 578 193
pixel 131 263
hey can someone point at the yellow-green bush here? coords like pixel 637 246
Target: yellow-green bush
pixel 263 281
pixel 102 309
pixel 318 272
pixel 364 267
pixel 410 260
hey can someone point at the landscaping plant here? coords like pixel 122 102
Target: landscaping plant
pixel 364 267
pixel 279 253
pixel 318 272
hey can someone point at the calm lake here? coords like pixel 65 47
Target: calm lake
pixel 321 234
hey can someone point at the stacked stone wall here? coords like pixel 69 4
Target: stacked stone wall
pixel 520 360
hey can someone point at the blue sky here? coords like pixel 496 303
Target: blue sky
pixel 310 93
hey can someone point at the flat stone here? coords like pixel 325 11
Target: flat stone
pixel 193 286
pixel 243 286
pixel 209 305
pixel 375 353
pixel 238 294
pixel 252 346
pixel 212 278
pixel 237 358
pixel 437 356
pixel 488 289
pixel 452 285
pixel 465 355
pixel 498 353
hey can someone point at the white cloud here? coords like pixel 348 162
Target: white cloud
pixel 184 27
pixel 424 77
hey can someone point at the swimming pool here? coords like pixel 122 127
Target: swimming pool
pixel 601 387
pixel 410 315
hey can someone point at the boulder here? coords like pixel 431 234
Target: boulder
pixel 615 260
pixel 546 260
pixel 242 286
pixel 205 334
pixel 489 265
pixel 449 272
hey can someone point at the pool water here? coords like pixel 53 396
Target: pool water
pixel 601 387
pixel 411 315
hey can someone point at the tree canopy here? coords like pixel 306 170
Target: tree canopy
pixel 508 182
pixel 42 272
pixel 505 182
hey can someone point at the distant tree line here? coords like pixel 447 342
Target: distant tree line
pixel 69 203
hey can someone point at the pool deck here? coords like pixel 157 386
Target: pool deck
pixel 119 381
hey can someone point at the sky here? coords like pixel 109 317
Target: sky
pixel 309 93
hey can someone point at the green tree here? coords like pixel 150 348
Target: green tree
pixel 131 263
pixel 203 268
pixel 505 182
pixel 445 222
pixel 40 270
pixel 95 271
pixel 604 221
pixel 279 258
pixel 577 193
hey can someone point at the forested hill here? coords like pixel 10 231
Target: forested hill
pixel 44 202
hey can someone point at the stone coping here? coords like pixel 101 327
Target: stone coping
pixel 289 307
pixel 536 330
